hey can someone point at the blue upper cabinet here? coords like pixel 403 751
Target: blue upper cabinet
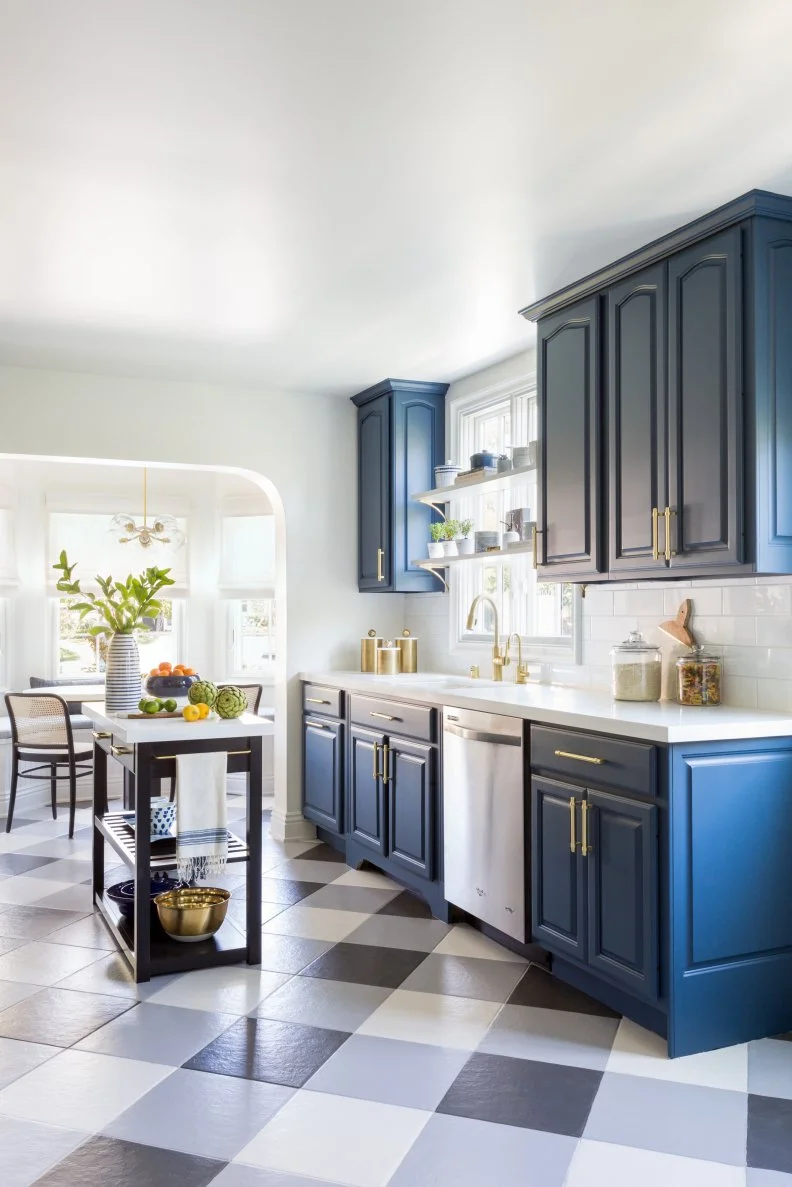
pixel 695 436
pixel 401 438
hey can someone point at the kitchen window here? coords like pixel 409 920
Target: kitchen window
pixel 79 654
pixel 545 614
pixel 252 631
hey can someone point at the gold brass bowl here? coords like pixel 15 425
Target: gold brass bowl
pixel 192 913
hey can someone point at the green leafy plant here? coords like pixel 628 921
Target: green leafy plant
pixel 450 529
pixel 465 527
pixel 123 604
pixel 437 531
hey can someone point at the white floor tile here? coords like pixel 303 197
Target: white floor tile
pixel 41 963
pixel 355 1142
pixel 23 891
pixel 466 941
pixel 111 974
pixel 598 1164
pixel 638 1052
pixel 315 923
pixel 80 1090
pixel 12 992
pixel 18 1058
pixel 441 1021
pixel 232 990
pixel 30 1149
pixel 366 878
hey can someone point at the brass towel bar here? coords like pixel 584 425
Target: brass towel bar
pixel 165 757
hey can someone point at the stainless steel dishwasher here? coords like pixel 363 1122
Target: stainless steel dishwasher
pixel 484 818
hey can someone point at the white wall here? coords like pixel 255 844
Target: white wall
pixel 303 445
pixel 747 621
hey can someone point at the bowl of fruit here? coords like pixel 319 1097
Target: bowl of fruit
pixel 171 684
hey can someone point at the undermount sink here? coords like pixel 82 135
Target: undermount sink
pixel 437 680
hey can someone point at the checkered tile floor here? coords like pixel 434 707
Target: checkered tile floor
pixel 375 1046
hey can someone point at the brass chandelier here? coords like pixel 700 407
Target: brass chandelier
pixel 164 530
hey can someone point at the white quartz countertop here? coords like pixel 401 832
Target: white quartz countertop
pixel 578 708
pixel 173 729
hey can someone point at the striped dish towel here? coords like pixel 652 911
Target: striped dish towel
pixel 201 833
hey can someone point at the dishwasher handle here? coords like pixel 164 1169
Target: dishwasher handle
pixel 482 735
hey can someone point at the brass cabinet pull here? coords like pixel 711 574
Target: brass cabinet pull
pixel 597 762
pixel 386 772
pixel 102 734
pixel 376 771
pixel 585 848
pixel 655 534
pixel 315 701
pixel 317 725
pixel 384 716
pixel 116 751
pixel 668 550
pixel 572 825
pixel 380 559
pixel 535 534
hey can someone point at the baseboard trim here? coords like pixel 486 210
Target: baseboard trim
pixel 291 826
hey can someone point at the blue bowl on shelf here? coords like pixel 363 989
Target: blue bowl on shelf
pixel 123 893
pixel 170 687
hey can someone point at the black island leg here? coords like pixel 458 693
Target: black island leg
pixel 143 763
pixel 253 882
pixel 99 809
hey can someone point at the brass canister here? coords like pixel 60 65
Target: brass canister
pixel 368 652
pixel 389 660
pixel 408 646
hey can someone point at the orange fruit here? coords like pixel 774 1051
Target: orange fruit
pixel 203 710
pixel 189 672
pixel 191 713
pixel 154 672
pixel 178 670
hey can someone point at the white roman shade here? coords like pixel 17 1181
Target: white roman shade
pixel 247 554
pixel 85 538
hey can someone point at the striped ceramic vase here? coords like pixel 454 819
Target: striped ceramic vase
pixel 122 677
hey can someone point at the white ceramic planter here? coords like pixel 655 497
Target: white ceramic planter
pixel 464 546
pixel 123 688
pixel 436 550
pixel 450 548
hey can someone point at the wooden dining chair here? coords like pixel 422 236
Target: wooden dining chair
pixel 41 733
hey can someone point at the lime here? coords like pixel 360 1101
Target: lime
pixel 170 705
pixel 152 707
pixel 142 705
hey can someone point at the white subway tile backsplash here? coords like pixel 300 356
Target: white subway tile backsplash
pixel 757 599
pixel 774 632
pixel 705 599
pixel 713 629
pixel 774 694
pixel 739 690
pixel 614 628
pixel 598 601
pixel 638 601
pixel 774 663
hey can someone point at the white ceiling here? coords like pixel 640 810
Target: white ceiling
pixel 314 194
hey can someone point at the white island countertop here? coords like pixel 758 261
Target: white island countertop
pixel 173 729
pixel 570 707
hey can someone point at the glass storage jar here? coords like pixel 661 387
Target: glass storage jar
pixel 698 678
pixel 637 669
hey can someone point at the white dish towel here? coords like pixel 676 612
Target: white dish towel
pixel 201 833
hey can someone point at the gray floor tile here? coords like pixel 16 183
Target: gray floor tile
pixel 59 1017
pixel 265 1049
pixel 34 923
pixel 539 988
pixel 89 932
pixel 8 945
pixel 465 976
pixel 300 869
pixel 761 1178
pixel 111 974
pixel 42 963
pixel 466 1153
pixel 101 1161
pixel 290 954
pixel 21 863
pixel 314 1001
pixel 394 931
pixel 29 1149
pixel 366 899
pixel 17 1058
pixel 672 1118
pixel 64 869
pixel 770 1133
pixel 238 1175
pixel 199 1113
pixel 414 1075
pixel 158 1034
pixel 552 1036
pixel 15 991
pixel 770 1068
pixel 75 898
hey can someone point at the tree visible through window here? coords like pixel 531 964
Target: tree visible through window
pixel 80 655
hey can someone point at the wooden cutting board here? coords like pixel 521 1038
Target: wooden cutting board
pixel 153 716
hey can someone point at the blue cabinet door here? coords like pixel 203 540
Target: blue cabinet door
pixel 569 401
pixel 411 791
pixel 705 416
pixel 323 760
pixel 374 495
pixel 637 421
pixel 366 821
pixel 557 886
pixel 622 891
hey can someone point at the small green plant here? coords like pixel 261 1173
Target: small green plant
pixel 123 605
pixel 450 529
pixel 465 527
pixel 437 531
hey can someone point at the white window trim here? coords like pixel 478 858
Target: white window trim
pixel 477 649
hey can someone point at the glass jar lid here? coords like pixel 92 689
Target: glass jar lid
pixel 698 655
pixel 634 644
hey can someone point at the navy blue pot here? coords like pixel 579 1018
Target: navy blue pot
pixel 123 893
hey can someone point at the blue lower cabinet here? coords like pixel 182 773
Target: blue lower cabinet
pixel 366 822
pixel 622 891
pixel 412 796
pixel 558 890
pixel 323 773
